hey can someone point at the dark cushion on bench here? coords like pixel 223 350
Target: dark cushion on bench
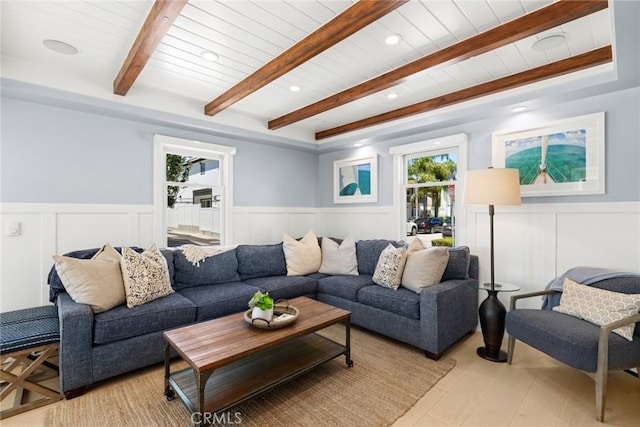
pixel 28 328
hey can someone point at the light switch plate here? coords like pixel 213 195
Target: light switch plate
pixel 13 229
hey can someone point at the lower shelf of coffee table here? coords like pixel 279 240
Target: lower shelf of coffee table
pixel 250 376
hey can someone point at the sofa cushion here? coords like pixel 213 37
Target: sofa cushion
pixel 261 261
pixel 401 301
pixel 220 268
pixel 390 266
pixel 302 256
pixel 368 252
pixel 339 258
pixel 122 322
pixel 145 275
pixel 599 306
pixel 285 287
pixel 345 287
pixel 458 264
pixel 220 299
pixel 96 282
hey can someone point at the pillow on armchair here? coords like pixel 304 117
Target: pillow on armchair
pixel 598 306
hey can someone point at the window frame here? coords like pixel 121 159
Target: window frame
pixel 164 145
pixel 400 179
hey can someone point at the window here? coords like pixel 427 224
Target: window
pixel 184 207
pixel 426 187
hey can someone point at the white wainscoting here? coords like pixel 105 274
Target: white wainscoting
pixel 49 229
pixel 533 243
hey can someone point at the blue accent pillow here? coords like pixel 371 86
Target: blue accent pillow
pixel 458 265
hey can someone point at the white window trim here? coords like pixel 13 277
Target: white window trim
pixel 458 141
pixel 163 145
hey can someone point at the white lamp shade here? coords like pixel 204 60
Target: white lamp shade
pixel 491 186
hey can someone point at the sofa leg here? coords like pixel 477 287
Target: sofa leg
pixel 73 393
pixel 511 343
pixel 432 356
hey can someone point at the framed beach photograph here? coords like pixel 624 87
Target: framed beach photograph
pixel 355 180
pixel 561 158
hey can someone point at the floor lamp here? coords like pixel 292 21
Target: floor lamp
pixel 492 186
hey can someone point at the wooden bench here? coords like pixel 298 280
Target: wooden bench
pixel 29 338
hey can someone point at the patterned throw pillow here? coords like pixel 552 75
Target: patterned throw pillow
pixel 96 282
pixel 598 306
pixel 145 275
pixel 390 267
pixel 304 256
pixel 339 258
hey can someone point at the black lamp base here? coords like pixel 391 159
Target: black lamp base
pixel 500 357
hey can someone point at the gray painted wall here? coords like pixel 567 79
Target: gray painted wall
pixel 56 155
pixel 622 147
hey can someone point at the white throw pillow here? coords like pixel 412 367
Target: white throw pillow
pixel 96 282
pixel 424 266
pixel 389 268
pixel 145 275
pixel 304 256
pixel 339 258
pixel 598 306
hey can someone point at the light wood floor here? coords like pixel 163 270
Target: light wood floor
pixel 534 391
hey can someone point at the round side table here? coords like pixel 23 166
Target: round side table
pixel 492 314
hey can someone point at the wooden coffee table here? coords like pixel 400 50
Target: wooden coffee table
pixel 248 360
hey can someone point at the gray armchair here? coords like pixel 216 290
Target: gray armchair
pixel 580 344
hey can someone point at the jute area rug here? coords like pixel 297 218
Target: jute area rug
pixel 386 380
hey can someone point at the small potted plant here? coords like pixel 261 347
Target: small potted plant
pixel 262 305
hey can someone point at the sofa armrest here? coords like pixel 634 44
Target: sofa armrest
pixel 76 337
pixel 448 311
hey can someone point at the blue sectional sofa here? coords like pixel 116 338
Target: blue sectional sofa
pixel 94 347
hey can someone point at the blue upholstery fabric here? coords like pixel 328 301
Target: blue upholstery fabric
pixel 27 328
pixel 158 315
pixel 285 287
pixel 368 252
pixel 570 340
pixel 221 268
pixel 55 284
pixel 219 300
pixel 401 301
pixel 261 261
pixel 458 265
pixel 168 254
pixel 346 287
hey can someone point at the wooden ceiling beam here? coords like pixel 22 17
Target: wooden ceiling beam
pixel 542 19
pixel 575 63
pixel 353 19
pixel 160 18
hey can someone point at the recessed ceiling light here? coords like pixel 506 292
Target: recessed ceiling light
pixel 60 47
pixel 294 88
pixel 393 39
pixel 209 56
pixel 392 95
pixel 357 144
pixel 519 109
pixel 549 41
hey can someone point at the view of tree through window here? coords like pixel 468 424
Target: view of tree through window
pixel 430 194
pixel 193 200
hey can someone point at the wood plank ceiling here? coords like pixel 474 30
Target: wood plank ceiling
pixel 450 51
